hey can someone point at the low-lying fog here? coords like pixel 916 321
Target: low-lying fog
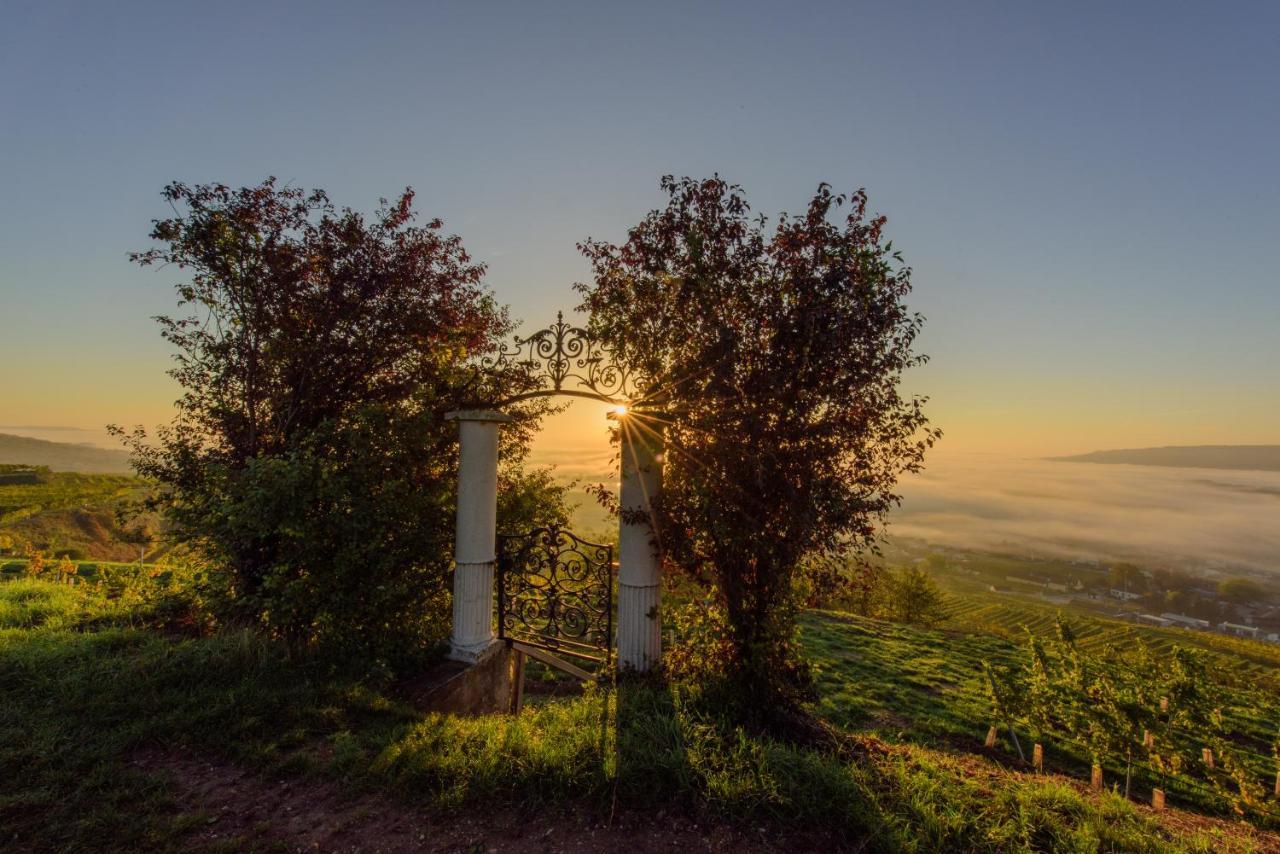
pixel 1205 517
pixel 1188 518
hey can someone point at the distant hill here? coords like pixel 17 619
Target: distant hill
pixel 1252 457
pixel 62 456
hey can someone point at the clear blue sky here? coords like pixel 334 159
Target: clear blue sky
pixel 1089 194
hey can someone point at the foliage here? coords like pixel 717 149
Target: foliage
pixel 776 355
pixel 1132 711
pixel 1127 577
pixel 1242 591
pixel 912 596
pixel 310 460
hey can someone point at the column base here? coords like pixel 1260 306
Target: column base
pixel 475 653
pixel 639 626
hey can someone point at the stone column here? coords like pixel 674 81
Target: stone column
pixel 639 562
pixel 476 538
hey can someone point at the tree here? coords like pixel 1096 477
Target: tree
pixel 1129 578
pixel 1241 591
pixel 913 597
pixel 310 459
pixel 776 353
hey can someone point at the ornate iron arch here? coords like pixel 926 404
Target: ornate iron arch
pixel 566 360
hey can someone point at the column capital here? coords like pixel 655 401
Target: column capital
pixel 478 415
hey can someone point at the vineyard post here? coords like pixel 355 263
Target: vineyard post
pixel 1157 799
pixel 1206 753
pixel 1128 769
pixel 1095 780
pixel 1037 757
pixel 991 737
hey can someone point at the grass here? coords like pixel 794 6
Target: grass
pixel 71 513
pixel 86 687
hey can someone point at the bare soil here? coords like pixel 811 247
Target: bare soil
pixel 241 810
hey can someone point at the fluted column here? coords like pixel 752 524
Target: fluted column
pixel 475 542
pixel 639 561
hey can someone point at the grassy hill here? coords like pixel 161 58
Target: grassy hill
pixel 62 456
pixel 1252 457
pixel 72 513
pixel 121 736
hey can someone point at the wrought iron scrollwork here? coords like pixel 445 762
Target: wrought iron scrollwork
pixel 555 591
pixel 565 359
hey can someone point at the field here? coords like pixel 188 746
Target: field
pixel 119 734
pixel 73 514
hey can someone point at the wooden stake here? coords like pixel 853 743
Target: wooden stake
pixel 1096 780
pixel 1164 704
pixel 1207 755
pixel 1037 757
pixel 1148 739
pixel 991 738
pixel 517 682
pixel 1157 799
pixel 1278 784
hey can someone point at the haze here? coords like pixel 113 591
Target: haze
pixel 1087 193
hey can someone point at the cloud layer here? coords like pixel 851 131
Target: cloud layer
pixel 1180 517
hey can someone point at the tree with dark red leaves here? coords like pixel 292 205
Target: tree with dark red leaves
pixel 310 459
pixel 777 352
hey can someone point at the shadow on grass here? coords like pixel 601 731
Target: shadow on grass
pixel 79 705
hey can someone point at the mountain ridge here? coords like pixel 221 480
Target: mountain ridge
pixel 1237 457
pixel 62 456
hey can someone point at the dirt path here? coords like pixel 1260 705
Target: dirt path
pixel 244 810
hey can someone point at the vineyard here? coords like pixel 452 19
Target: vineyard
pixel 1247 662
pixel 1153 709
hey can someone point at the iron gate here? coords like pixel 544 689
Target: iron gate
pixel 555 592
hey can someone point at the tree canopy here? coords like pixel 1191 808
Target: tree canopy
pixel 309 458
pixel 777 351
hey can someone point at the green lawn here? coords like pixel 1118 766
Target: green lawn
pixel 86 688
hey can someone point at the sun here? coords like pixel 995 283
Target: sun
pixel 620 409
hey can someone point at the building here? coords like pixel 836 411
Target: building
pixel 1240 631
pixel 1188 622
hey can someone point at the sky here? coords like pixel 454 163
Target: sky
pixel 1088 194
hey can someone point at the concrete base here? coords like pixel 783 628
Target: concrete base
pixel 458 688
pixel 475 654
